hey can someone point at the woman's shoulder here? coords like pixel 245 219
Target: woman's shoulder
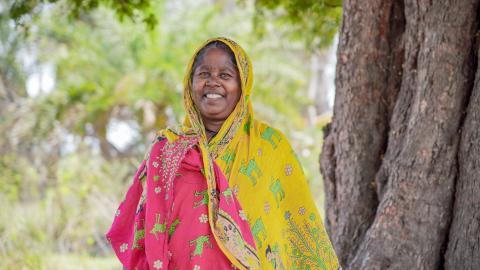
pixel 264 129
pixel 270 134
pixel 171 141
pixel 162 137
pixel 159 139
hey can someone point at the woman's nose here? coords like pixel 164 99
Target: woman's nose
pixel 213 80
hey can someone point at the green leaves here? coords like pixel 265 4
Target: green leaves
pixel 315 22
pixel 134 10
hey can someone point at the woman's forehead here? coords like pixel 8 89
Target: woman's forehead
pixel 216 58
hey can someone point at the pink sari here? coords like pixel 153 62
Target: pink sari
pixel 169 227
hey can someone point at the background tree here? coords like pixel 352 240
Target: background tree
pixel 401 157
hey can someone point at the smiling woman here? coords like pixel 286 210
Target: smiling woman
pixel 215 85
pixel 223 191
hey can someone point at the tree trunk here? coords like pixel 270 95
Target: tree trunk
pixel 464 241
pixel 401 154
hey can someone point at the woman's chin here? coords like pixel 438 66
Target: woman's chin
pixel 213 112
pixel 215 116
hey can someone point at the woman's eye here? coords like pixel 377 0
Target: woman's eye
pixel 203 74
pixel 225 76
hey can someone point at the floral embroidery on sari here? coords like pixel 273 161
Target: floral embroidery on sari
pixel 142 230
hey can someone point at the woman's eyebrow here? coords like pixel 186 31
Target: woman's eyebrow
pixel 228 68
pixel 203 68
pixel 223 68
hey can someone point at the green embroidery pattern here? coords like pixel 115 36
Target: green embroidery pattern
pixel 277 191
pixel 249 169
pixel 258 229
pixel 158 227
pixel 308 248
pixel 137 236
pixel 228 157
pixel 204 198
pixel 270 134
pixel 246 127
pixel 199 243
pixel 173 226
pixel 228 195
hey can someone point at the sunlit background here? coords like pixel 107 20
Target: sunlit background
pixel 81 98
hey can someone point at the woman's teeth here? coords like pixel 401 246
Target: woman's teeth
pixel 214 96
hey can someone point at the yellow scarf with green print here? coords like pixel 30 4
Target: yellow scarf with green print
pixel 265 175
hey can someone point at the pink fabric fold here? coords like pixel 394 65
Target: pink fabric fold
pixel 169 228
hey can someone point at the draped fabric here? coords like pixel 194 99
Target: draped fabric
pixel 167 227
pixel 262 174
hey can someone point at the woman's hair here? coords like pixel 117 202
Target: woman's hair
pixel 214 44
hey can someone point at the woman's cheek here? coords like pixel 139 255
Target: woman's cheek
pixel 196 88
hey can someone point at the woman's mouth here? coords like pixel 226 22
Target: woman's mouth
pixel 213 96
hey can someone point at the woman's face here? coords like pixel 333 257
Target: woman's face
pixel 215 86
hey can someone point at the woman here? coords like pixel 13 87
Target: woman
pixel 223 191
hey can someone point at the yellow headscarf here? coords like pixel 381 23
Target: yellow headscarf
pixel 265 175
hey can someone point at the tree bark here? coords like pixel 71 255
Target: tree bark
pixel 366 76
pixel 464 241
pixel 393 155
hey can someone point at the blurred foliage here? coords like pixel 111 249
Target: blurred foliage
pixel 22 10
pixel 62 172
pixel 11 44
pixel 313 21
